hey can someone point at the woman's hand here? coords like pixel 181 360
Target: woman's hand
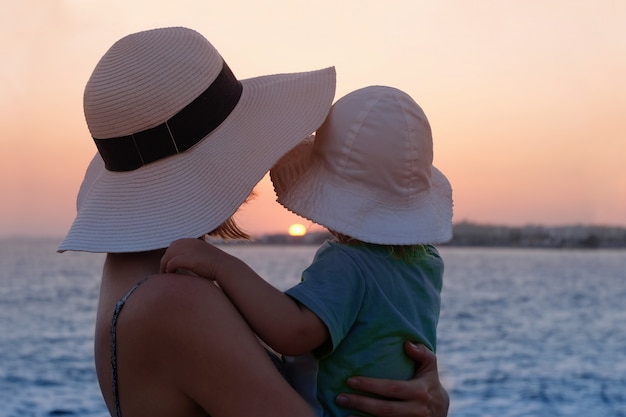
pixel 422 396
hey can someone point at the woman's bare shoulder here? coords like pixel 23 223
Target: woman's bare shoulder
pixel 156 341
pixel 171 302
pixel 169 319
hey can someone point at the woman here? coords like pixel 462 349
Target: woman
pixel 181 144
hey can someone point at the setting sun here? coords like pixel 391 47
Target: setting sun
pixel 297 229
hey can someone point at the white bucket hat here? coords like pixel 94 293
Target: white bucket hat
pixel 184 142
pixel 368 172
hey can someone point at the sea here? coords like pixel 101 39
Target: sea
pixel 523 332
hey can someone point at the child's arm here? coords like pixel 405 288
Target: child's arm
pixel 282 323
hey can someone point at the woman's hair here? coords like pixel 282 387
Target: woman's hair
pixel 406 253
pixel 229 231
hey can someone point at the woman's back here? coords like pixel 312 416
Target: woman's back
pixel 180 346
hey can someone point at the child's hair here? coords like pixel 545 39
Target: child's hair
pixel 406 253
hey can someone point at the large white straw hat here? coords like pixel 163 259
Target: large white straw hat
pixel 184 142
pixel 368 172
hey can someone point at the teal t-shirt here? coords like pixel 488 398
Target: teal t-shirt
pixel 371 303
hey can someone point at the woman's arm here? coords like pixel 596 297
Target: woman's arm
pixel 184 350
pixel 422 396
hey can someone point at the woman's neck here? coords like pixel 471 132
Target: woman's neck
pixel 120 272
pixel 132 265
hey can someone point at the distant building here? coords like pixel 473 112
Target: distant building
pixel 574 236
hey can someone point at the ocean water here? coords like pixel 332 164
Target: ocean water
pixel 523 332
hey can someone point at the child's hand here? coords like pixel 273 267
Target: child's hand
pixel 194 255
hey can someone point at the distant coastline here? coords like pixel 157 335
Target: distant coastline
pixel 486 235
pixel 465 234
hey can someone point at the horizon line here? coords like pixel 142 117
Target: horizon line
pixel 462 222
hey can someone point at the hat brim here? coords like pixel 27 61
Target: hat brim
pixel 192 193
pixel 303 186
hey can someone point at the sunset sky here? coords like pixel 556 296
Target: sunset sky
pixel 527 99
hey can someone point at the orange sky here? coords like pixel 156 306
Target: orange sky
pixel 526 99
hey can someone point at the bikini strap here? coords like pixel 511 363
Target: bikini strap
pixel 116 313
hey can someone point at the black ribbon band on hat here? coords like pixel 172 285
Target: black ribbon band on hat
pixel 183 130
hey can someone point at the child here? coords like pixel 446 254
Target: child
pixel 368 177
